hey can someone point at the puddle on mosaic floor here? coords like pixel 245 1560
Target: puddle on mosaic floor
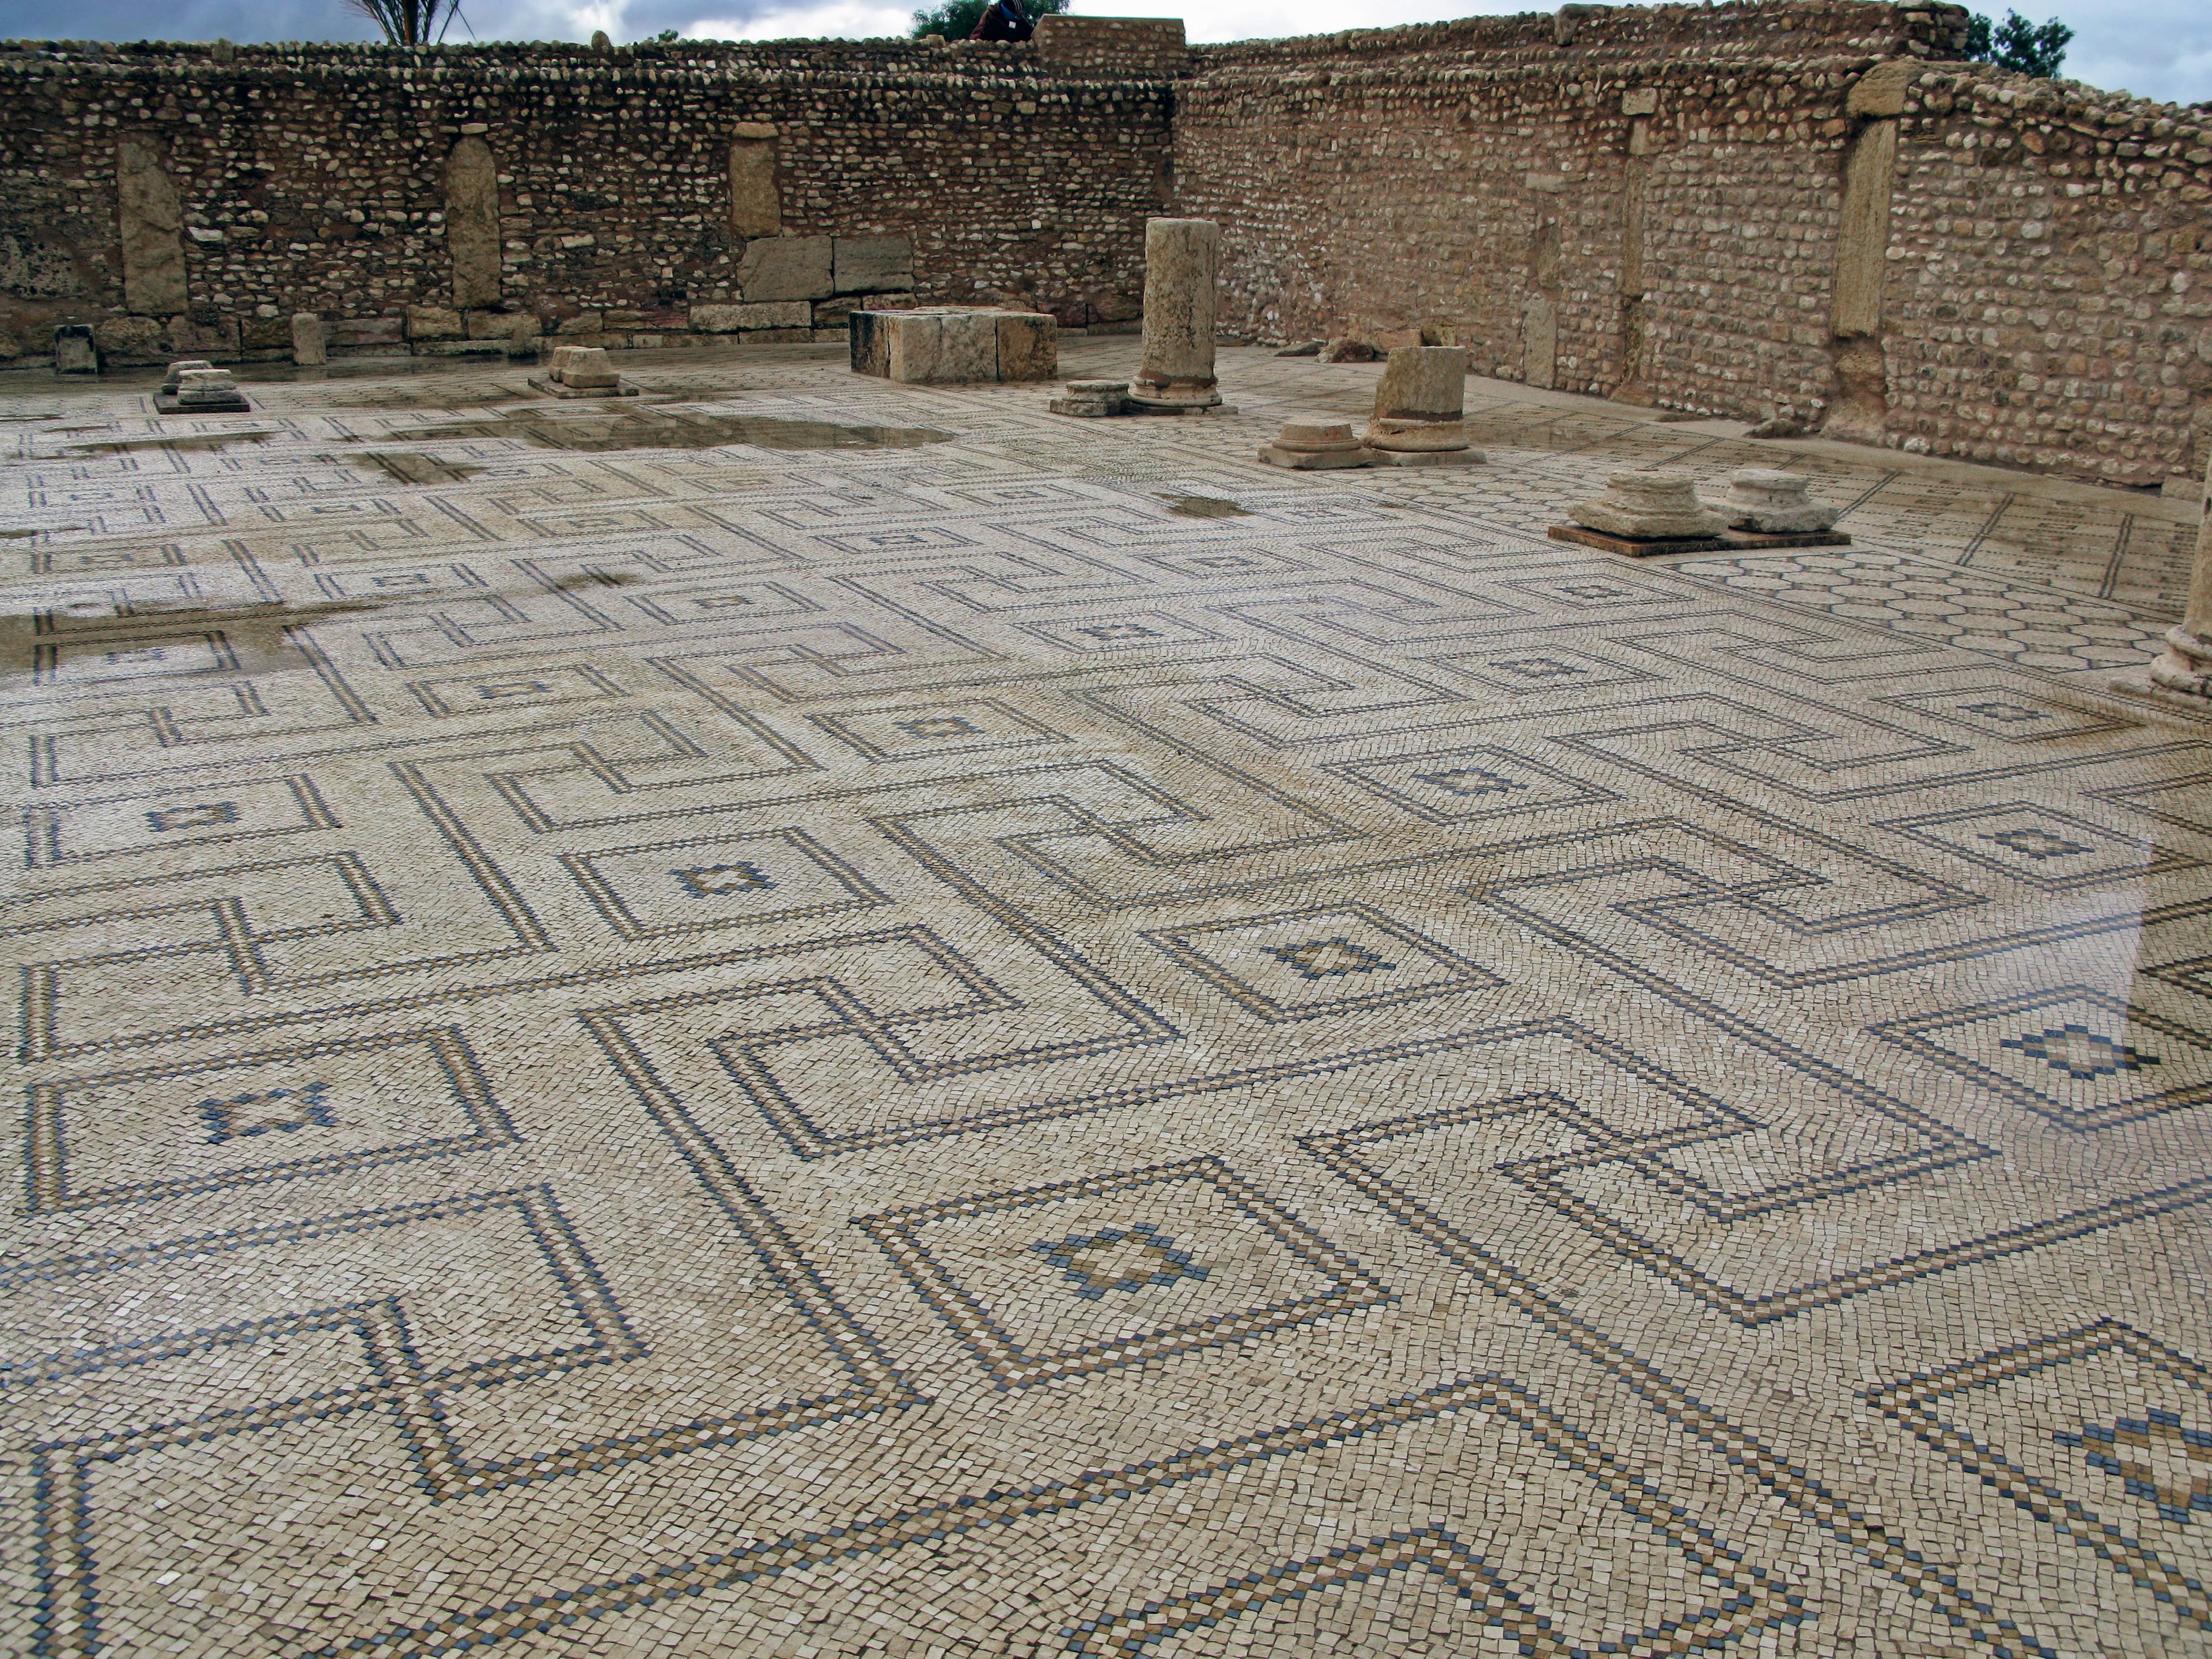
pixel 1027 1036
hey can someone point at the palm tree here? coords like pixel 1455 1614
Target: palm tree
pixel 412 22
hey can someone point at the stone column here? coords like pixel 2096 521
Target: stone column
pixel 473 234
pixel 1182 258
pixel 151 219
pixel 2185 664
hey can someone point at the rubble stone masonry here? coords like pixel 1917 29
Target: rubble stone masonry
pixel 1809 212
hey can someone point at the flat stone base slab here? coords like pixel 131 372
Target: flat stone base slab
pixel 2149 690
pixel 553 388
pixel 167 402
pixel 1638 547
pixel 1427 457
pixel 1139 406
pixel 1313 460
pixel 1787 538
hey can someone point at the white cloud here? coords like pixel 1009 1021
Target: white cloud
pixel 850 20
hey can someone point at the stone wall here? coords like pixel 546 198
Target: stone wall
pixel 193 199
pixel 1807 212
pixel 1810 212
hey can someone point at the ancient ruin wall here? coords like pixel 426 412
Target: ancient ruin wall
pixel 1652 204
pixel 194 198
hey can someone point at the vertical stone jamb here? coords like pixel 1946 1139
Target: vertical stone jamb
pixel 755 204
pixel 472 235
pixel 1860 409
pixel 1639 104
pixel 150 217
pixel 1539 312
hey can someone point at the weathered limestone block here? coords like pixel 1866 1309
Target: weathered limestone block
pixel 1649 506
pixel 1182 258
pixel 1774 503
pixel 1540 340
pixel 130 339
pixel 587 369
pixel 954 344
pixel 187 338
pixel 1862 231
pixel 151 218
pixel 755 204
pixel 311 338
pixel 433 322
pixel 1880 92
pixel 729 320
pixel 1028 347
pixel 75 352
pixel 786 267
pixel 1314 443
pixel 368 334
pixel 873 265
pixel 1092 400
pixel 196 387
pixel 472 238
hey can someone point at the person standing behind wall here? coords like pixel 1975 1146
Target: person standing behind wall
pixel 1003 20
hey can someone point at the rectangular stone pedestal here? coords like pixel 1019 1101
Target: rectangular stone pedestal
pixel 955 345
pixel 553 388
pixel 1787 538
pixel 167 403
pixel 1638 547
pixel 1313 460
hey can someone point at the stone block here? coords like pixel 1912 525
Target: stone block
pixel 1540 340
pixel 729 320
pixel 584 367
pixel 151 219
pixel 472 234
pixel 868 338
pixel 188 338
pixel 1092 400
pixel 786 267
pixel 368 331
pixel 75 351
pixel 1640 100
pixel 434 323
pixel 778 337
pixel 871 264
pixel 1028 347
pixel 967 347
pixel 1880 92
pixel 756 202
pixel 584 322
pixel 311 338
pixel 131 340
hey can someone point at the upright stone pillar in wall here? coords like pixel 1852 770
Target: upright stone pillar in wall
pixel 1860 410
pixel 1182 258
pixel 151 218
pixel 1539 312
pixel 1639 104
pixel 472 236
pixel 755 204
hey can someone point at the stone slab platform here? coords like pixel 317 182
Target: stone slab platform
pixel 1652 547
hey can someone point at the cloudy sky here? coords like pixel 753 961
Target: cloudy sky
pixel 2156 48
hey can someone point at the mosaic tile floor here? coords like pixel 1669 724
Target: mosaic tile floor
pixel 1054 1042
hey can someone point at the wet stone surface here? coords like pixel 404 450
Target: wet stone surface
pixel 825 1019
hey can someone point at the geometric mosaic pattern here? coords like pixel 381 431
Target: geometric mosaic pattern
pixel 1054 1042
